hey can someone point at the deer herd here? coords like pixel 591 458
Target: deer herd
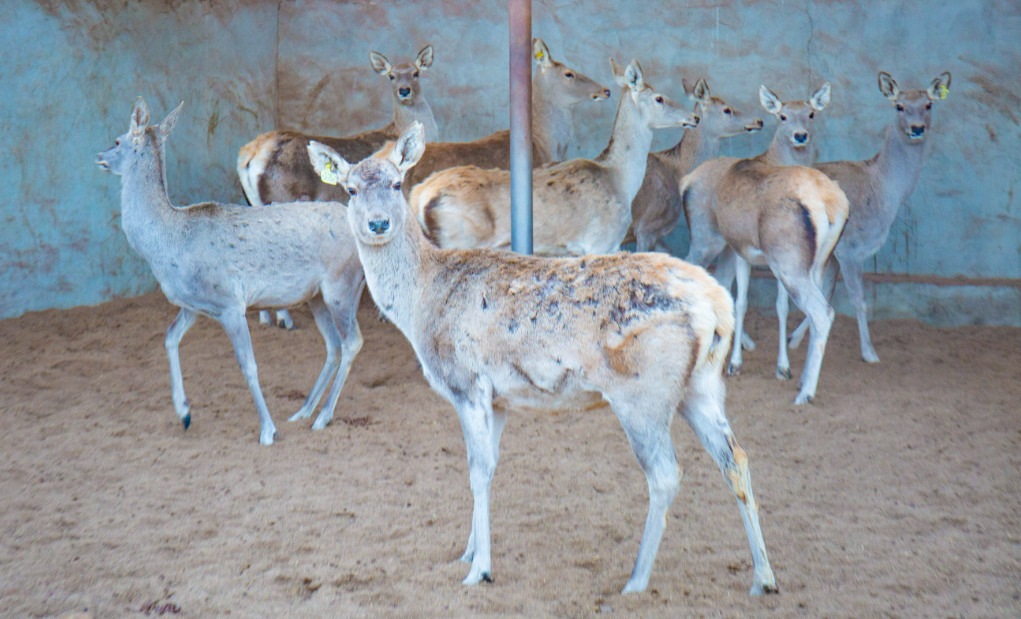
pixel 426 225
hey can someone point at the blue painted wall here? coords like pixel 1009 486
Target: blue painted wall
pixel 69 75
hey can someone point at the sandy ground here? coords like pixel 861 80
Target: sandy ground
pixel 894 495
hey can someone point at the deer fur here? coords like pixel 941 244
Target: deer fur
pixel 493 331
pixel 657 207
pixel 220 259
pixel 274 167
pixel 579 207
pixel 788 217
pixel 876 188
pixel 556 89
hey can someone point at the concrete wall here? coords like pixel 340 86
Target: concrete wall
pixel 306 62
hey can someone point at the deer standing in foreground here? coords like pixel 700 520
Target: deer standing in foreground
pixel 220 259
pixel 580 206
pixel 274 167
pixel 770 211
pixel 646 333
pixel 876 188
pixel 657 206
pixel 556 89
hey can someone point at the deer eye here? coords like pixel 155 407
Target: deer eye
pixel 900 108
pixel 416 74
pixel 117 142
pixel 569 75
pixel 783 117
pixel 811 115
pixel 351 191
pixel 727 111
pixel 659 99
pixel 397 186
pixel 392 78
pixel 928 106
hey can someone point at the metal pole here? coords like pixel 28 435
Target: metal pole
pixel 521 124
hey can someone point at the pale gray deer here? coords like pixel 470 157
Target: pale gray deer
pixel 580 206
pixel 556 89
pixel 876 188
pixel 770 211
pixel 645 333
pixel 220 259
pixel 657 207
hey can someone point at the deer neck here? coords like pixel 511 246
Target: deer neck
pixel 405 115
pixel 394 273
pixel 627 153
pixel 695 148
pixel 144 200
pixel 898 166
pixel 780 153
pixel 552 124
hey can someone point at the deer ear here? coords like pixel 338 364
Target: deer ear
pixel 701 92
pixel 888 86
pixel 425 58
pixel 379 63
pixel 618 73
pixel 139 117
pixel 940 87
pixel 328 164
pixel 821 98
pixel 541 53
pixel 633 78
pixel 409 147
pixel 168 123
pixel 769 101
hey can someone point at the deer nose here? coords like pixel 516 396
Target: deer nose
pixel 801 137
pixel 404 91
pixel 379 226
pixel 917 130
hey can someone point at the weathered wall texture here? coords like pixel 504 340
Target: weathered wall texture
pixel 303 64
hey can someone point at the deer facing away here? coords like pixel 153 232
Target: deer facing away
pixel 876 188
pixel 274 167
pixel 219 259
pixel 580 206
pixel 646 333
pixel 657 206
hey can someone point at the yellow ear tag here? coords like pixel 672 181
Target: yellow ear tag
pixel 328 176
pixel 943 90
pixel 539 55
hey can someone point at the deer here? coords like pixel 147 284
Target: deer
pixel 645 333
pixel 556 89
pixel 876 189
pixel 219 259
pixel 657 207
pixel 274 167
pixel 580 206
pixel 771 211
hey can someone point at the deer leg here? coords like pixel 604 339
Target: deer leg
pixel 645 241
pixel 810 299
pixel 326 327
pixel 482 429
pixel 184 320
pixel 703 409
pixel 234 323
pixel 264 318
pixel 499 418
pixel 649 436
pixel 743 271
pixel 284 320
pixel 829 286
pixel 343 302
pixel 853 281
pixel 724 275
pixel 783 364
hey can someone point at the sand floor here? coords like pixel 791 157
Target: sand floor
pixel 896 494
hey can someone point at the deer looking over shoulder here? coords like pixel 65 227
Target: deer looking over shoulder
pixel 876 188
pixel 580 206
pixel 645 333
pixel 657 207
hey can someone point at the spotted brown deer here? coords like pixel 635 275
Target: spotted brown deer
pixel 770 211
pixel 646 334
pixel 876 188
pixel 220 259
pixel 657 207
pixel 580 206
